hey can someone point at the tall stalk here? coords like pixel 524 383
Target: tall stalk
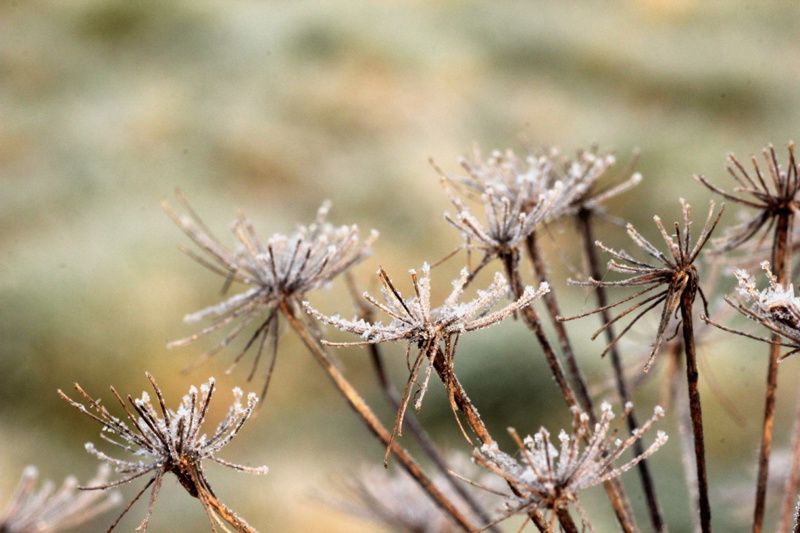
pixel 780 267
pixel 695 410
pixel 423 439
pixel 590 251
pixel 358 404
pixel 614 489
pixel 789 507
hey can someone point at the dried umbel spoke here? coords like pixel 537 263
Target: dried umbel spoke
pixel 427 329
pixel 774 307
pixel 581 176
pixel 45 509
pixel 162 440
pixel 665 279
pixel 282 268
pixel 392 499
pixel 550 478
pixel 772 192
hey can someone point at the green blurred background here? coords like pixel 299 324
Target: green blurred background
pixel 107 106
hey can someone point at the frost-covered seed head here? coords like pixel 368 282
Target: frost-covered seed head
pixel 162 440
pixel 547 477
pixel 46 510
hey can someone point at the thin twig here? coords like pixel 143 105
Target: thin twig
pixel 587 234
pixel 780 267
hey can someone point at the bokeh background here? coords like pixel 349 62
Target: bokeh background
pixel 107 106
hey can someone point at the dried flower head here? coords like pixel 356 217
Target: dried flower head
pixel 393 499
pixel 775 307
pixel 671 275
pixel 549 478
pixel 426 329
pixel 169 442
pixel 281 269
pixel 770 196
pixel 45 510
pixel 580 176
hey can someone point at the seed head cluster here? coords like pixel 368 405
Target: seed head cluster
pixel 281 269
pixel 46 510
pixel 169 442
pixel 665 280
pixel 547 477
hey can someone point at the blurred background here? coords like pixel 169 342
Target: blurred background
pixel 107 106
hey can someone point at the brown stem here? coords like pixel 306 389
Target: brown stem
pixel 565 519
pixel 687 300
pixel 790 489
pixel 531 319
pixel 358 404
pixel 780 267
pixel 587 234
pixel 551 303
pixel 423 439
pixel 614 489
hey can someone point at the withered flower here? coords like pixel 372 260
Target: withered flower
pixel 549 478
pixel 426 329
pixel 46 510
pixel 673 275
pixel 774 307
pixel 281 269
pixel 171 442
pixel 394 500
pixel 772 196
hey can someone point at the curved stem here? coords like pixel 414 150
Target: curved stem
pixel 780 267
pixel 590 250
pixel 358 404
pixel 687 300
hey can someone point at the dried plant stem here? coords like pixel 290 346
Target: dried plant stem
pixel 423 439
pixel 566 521
pixel 695 410
pixel 680 403
pixel 540 270
pixel 531 319
pixel 590 250
pixel 616 493
pixel 358 404
pixel 780 267
pixel 790 489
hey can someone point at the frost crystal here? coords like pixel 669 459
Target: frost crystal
pixel 520 193
pixel 281 269
pixel 775 307
pixel 547 477
pixel 169 442
pixel 47 510
pixel 414 321
pixel 662 279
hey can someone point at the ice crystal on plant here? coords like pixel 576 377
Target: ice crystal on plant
pixel 425 328
pixel 775 307
pixel 672 275
pixel 547 477
pixel 46 510
pixel 171 441
pixel 280 269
